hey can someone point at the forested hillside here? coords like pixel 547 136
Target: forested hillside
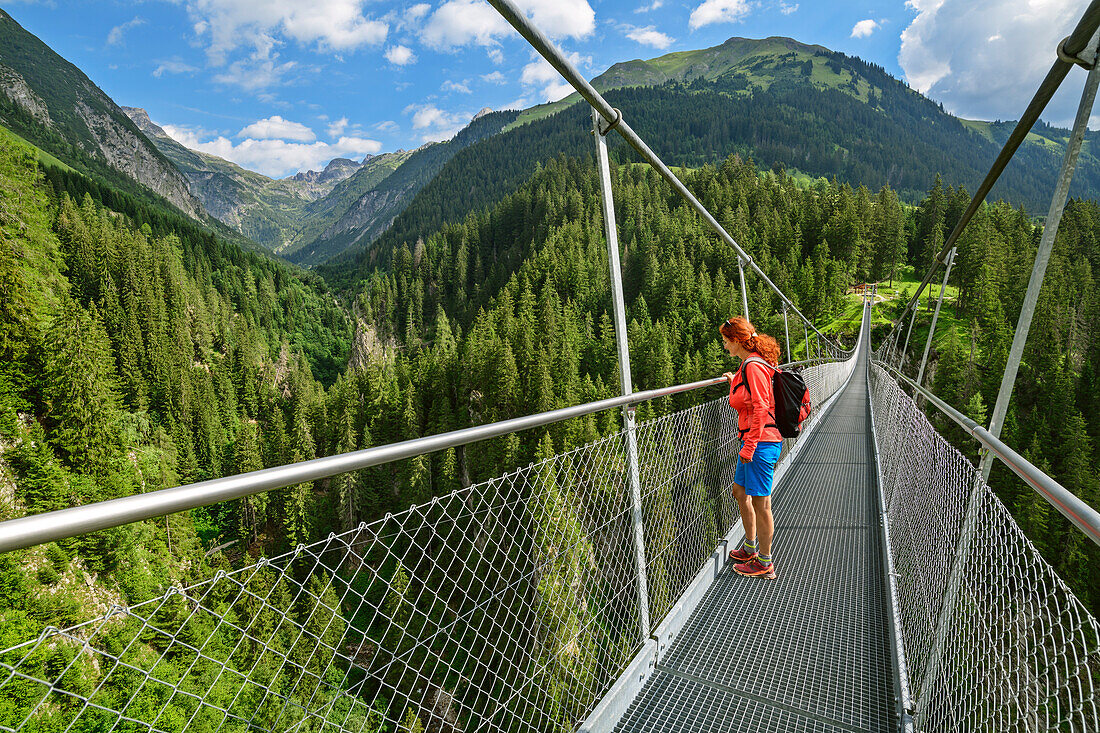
pixel 360 221
pixel 142 356
pixel 871 130
pixel 138 356
pixel 1054 416
pixel 139 352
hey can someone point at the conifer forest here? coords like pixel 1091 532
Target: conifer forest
pixel 139 351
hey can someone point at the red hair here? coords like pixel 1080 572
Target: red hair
pixel 741 331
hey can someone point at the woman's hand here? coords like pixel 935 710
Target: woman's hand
pixel 729 377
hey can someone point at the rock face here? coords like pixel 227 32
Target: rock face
pixel 17 90
pixel 62 111
pixel 338 169
pixel 134 156
pixel 363 214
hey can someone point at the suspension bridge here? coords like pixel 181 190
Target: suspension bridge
pixel 591 591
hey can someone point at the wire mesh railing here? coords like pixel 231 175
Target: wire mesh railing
pixel 994 639
pixel 510 605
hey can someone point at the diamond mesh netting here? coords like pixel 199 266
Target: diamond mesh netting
pixel 509 605
pixel 1017 650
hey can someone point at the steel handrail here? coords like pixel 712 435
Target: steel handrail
pixel 1083 516
pixel 614 118
pixel 36 529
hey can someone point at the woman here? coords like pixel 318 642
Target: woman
pixel 751 395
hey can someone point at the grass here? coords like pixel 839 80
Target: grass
pixel 890 300
pixel 907 279
pixel 43 157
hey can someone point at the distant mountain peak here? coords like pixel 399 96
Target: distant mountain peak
pixel 484 111
pixel 141 118
pixel 334 171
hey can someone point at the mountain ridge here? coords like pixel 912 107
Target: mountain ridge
pixel 56 107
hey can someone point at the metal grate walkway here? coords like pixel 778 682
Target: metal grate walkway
pixel 809 651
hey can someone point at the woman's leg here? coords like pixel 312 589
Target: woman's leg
pixel 765 524
pixel 748 515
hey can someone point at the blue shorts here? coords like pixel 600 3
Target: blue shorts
pixel 756 475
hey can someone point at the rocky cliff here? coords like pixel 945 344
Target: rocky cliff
pixel 54 105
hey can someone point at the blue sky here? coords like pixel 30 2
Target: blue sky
pixel 285 85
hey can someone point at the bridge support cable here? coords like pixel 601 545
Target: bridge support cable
pixel 912 322
pixel 744 290
pixel 936 316
pixel 1069 53
pixel 906 706
pixel 46 527
pixel 786 331
pixel 994 639
pixel 1068 504
pixel 1042 256
pixel 546 48
pixel 619 309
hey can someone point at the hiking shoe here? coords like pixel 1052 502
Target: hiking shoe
pixel 756 569
pixel 741 555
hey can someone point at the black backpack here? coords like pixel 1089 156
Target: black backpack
pixel 792 398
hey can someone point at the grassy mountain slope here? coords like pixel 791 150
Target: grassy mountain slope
pixel 741 54
pixel 52 104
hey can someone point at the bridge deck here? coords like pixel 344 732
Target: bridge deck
pixel 809 651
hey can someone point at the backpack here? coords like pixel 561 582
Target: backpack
pixel 792 397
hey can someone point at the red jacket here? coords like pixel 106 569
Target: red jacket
pixel 755 406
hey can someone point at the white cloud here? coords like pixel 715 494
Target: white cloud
pixel 648 36
pixel 386 126
pixel 114 37
pixel 462 22
pixel 787 9
pixel 329 25
pixel 651 7
pixel 400 55
pixel 521 103
pixel 276 128
pixel 337 127
pixel 496 56
pixel 540 73
pixel 417 12
pixel 276 158
pixel 940 56
pixel 494 78
pixel 864 28
pixel 173 65
pixel 718 11
pixel 461 87
pixel 436 124
pixel 255 73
